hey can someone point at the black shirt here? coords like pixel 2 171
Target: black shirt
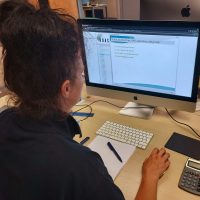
pixel 39 160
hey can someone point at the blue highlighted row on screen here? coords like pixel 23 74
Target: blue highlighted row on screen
pixel 152 86
pixel 121 39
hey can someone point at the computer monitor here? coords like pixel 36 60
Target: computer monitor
pixel 148 62
pixel 170 10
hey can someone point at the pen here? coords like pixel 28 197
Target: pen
pixel 84 140
pixel 82 114
pixel 114 151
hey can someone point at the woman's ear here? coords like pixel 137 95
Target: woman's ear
pixel 65 89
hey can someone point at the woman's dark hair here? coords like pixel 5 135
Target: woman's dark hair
pixel 40 48
pixel 6 8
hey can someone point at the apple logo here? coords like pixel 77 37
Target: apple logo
pixel 185 12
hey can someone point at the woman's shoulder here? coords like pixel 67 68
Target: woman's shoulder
pixel 7 113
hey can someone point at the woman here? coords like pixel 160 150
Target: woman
pixel 39 158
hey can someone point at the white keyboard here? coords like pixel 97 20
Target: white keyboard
pixel 125 134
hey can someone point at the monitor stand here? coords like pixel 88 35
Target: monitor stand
pixel 144 113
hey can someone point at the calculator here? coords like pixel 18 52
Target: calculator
pixel 190 177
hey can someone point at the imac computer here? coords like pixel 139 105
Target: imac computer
pixel 147 62
pixel 170 10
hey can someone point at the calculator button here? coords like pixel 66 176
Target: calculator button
pixel 194 184
pixel 186 186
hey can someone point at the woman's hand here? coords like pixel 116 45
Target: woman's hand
pixel 153 168
pixel 155 165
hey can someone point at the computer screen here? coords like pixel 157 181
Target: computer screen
pixel 170 10
pixel 148 62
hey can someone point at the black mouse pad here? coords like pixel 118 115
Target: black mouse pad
pixel 184 145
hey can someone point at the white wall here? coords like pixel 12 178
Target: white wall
pixel 130 9
pixel 123 9
pixel 113 9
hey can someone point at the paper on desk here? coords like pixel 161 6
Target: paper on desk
pixel 99 145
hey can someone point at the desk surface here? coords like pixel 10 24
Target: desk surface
pixel 162 126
